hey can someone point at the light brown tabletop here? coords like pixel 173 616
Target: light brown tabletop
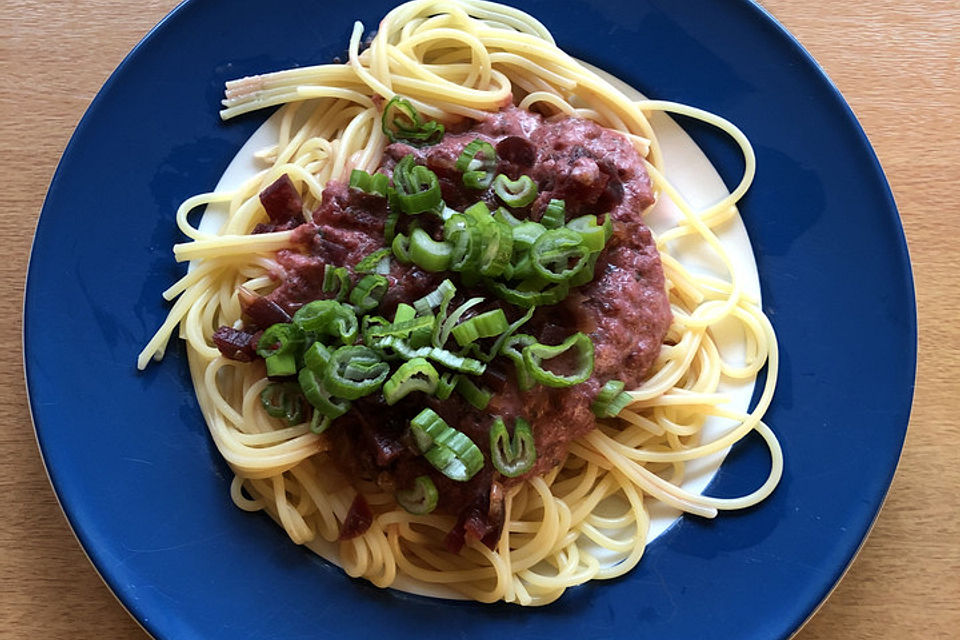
pixel 897 62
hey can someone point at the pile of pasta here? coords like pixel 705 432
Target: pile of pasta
pixel 586 519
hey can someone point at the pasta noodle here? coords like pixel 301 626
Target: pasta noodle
pixel 586 519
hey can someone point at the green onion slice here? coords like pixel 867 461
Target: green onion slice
pixel 417 188
pixel 554 215
pixel 432 300
pixel 594 236
pixel 513 349
pixel 281 364
pixel 486 325
pixel 354 372
pixel 427 253
pixel 280 339
pixel 514 457
pixel 336 279
pixel 316 357
pixel 401 122
pixel 372 263
pixel 319 397
pixel 450 451
pixel 328 318
pixel 445 385
pixel 611 400
pixel 503 337
pixel 369 291
pixel 477 163
pixel 528 297
pixel 283 400
pixel 477 397
pixel 373 184
pixel 421 498
pixel 559 254
pixel 454 318
pixel 534 356
pixel 515 193
pixel 414 375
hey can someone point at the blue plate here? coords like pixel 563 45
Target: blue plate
pixel 146 491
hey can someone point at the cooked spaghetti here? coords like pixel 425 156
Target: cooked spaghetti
pixel 582 512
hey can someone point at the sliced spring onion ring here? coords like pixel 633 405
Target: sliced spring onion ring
pixel 555 250
pixel 486 325
pixel 401 122
pixel 535 354
pixel 477 163
pixel 354 372
pixel 373 184
pixel 611 400
pixel 336 279
pixel 427 253
pixel 281 364
pixel 417 189
pixel 554 215
pixel 514 457
pixel 477 397
pixel 421 498
pixel 319 397
pixel 414 375
pixel 369 291
pixel 450 451
pixel 327 318
pixel 371 262
pixel 513 349
pixel 283 400
pixel 281 338
pixel 515 193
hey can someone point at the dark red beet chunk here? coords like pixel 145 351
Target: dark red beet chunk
pixel 262 311
pixel 282 201
pixel 235 344
pixel 358 520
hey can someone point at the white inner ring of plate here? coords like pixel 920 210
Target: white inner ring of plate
pixel 692 173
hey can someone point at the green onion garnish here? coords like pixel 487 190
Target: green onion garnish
pixel 513 349
pixel 427 253
pixel 327 318
pixel 421 498
pixel 535 354
pixel 283 400
pixel 554 215
pixel 336 279
pixel 477 163
pixel 515 193
pixel 369 291
pixel 319 397
pixel 450 451
pixel 559 254
pixel 611 400
pixel 513 457
pixel 354 372
pixel 372 263
pixel 401 122
pixel 486 325
pixel 414 375
pixel 477 397
pixel 417 188
pixel 373 184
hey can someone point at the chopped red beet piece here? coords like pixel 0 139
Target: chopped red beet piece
pixel 236 344
pixel 358 520
pixel 282 201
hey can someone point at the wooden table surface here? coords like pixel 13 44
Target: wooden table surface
pixel 896 61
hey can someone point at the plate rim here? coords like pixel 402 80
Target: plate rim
pixel 760 13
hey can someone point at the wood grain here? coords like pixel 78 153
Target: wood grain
pixel 895 61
